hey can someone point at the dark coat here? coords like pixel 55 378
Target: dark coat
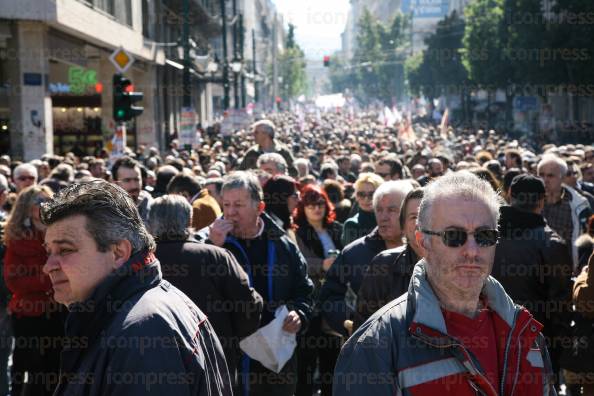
pixel 311 247
pixel 361 224
pixel 386 279
pixel 534 266
pixel 250 158
pixel 217 284
pixel 347 271
pixel 136 335
pixel 292 286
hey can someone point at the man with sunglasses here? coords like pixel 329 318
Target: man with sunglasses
pixel 456 331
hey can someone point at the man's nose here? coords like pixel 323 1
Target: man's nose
pixel 51 264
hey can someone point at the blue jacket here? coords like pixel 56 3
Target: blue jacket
pixel 138 335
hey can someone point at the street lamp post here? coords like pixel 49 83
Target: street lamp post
pixel 186 80
pixel 225 65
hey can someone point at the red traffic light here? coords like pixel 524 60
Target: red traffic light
pixel 326 60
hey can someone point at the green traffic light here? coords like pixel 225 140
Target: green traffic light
pixel 121 113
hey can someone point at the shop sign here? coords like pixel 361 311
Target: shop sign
pixel 80 81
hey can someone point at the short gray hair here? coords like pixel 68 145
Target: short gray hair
pixel 169 217
pixel 461 184
pixel 553 159
pixel 246 181
pixel 266 125
pixel 111 214
pixel 400 187
pixel 275 158
pixel 24 168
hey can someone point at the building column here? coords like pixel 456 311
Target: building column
pixel 32 133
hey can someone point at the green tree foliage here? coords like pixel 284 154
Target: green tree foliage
pixel 292 68
pixel 376 71
pixel 439 68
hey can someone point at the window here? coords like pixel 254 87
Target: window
pixel 105 5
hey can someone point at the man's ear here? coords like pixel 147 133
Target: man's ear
pixel 421 242
pixel 261 207
pixel 122 251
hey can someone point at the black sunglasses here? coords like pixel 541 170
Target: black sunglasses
pixel 457 238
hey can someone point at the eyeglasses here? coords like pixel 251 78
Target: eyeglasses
pixel 457 238
pixel 23 178
pixel 363 194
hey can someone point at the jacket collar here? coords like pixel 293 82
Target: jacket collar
pixel 141 272
pixel 513 219
pixel 426 306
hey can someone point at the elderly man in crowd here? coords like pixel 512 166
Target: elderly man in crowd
pixel 456 331
pixel 208 274
pixel 272 163
pixel 264 132
pixel 388 274
pixel 137 334
pixel 276 268
pixel 565 211
pixel 344 277
pixel 23 176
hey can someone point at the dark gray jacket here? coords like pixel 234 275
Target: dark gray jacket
pixel 137 335
pixel 347 270
pixel 214 281
pixel 386 279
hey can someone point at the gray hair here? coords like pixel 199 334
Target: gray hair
pixel 246 181
pixel 552 159
pixel 26 167
pixel 462 184
pixel 169 217
pixel 266 125
pixel 400 187
pixel 111 215
pixel 278 160
pixel 3 183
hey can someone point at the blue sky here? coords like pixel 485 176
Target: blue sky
pixel 319 23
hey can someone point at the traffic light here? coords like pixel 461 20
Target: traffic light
pixel 124 98
pixel 326 60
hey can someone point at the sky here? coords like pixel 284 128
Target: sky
pixel 319 23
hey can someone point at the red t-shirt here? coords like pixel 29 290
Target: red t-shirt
pixel 478 336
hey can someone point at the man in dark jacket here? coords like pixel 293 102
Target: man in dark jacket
pixel 264 131
pixel 128 332
pixel 343 279
pixel 533 263
pixel 209 275
pixel 388 275
pixel 275 267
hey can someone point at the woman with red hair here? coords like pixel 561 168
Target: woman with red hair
pixel 318 237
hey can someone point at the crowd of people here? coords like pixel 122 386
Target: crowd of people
pixel 406 260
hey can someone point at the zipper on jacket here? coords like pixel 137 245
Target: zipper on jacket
pixel 456 344
pixel 518 358
pixel 507 346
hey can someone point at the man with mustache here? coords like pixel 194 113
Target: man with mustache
pixel 126 174
pixel 456 331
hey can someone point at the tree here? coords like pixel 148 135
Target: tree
pixel 292 68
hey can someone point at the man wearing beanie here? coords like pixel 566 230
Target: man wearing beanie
pixel 532 261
